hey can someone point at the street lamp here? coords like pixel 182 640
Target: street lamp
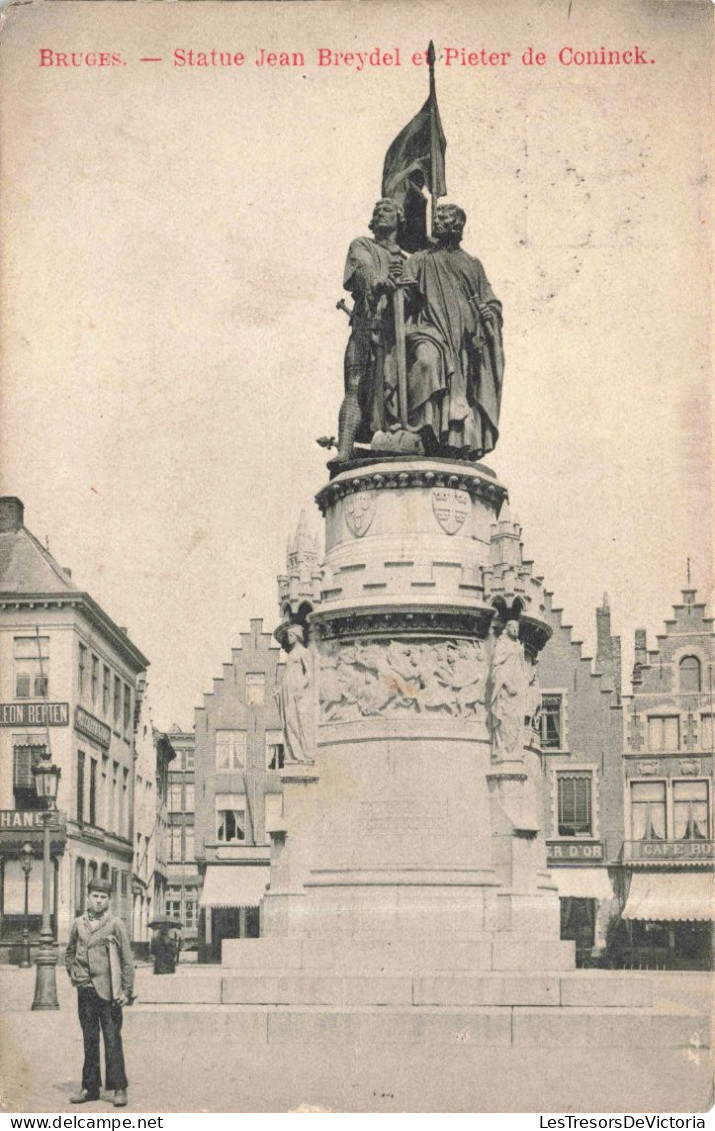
pixel 47 778
pixel 26 865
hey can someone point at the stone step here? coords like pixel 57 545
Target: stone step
pixel 599 989
pixel 396 956
pixel 364 1027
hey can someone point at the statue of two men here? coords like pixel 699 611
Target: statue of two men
pixel 452 347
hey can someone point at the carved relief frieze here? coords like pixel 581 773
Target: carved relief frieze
pixel 387 677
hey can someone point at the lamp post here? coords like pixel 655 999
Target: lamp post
pixel 47 778
pixel 26 865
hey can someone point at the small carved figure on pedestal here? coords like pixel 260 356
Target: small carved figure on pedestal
pixel 508 698
pixel 296 699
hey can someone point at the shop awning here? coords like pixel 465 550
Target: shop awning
pixel 582 883
pixel 234 885
pixel 670 896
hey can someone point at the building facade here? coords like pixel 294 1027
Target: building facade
pixel 68 686
pixel 581 726
pixel 668 774
pixel 154 754
pixel 183 887
pixel 238 758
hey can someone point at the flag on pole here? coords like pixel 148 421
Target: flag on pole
pixel 414 160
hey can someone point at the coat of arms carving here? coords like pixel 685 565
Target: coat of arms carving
pixel 360 511
pixel 450 508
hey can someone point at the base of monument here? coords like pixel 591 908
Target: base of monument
pixel 404 956
pixel 341 1020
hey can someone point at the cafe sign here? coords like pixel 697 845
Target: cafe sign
pixel 93 728
pixel 34 714
pixel 671 850
pixel 567 853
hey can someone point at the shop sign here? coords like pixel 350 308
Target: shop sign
pixel 671 850
pixel 579 850
pixel 34 714
pixel 24 819
pixel 93 728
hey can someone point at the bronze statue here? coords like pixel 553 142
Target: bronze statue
pixel 372 272
pixel 455 360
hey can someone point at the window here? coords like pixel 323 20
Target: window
pixel 175 842
pixel 574 804
pixel 690 674
pixel 82 668
pixel 95 679
pixel 230 749
pixel 274 811
pixel 93 791
pixel 255 689
pixel 92 871
pixel 648 810
pixel 690 810
pixel 105 690
pixel 275 750
pixel 32 666
pixel 551 722
pixel 117 698
pixel 189 908
pixel 706 732
pixel 230 818
pixel 104 794
pixel 127 705
pixel 174 797
pixel 663 732
pixel 25 755
pixel 114 799
pixel 80 786
pixel 79 886
pixel 124 823
pixel 188 760
pixel 173 902
pixel 124 884
pixel 189 845
pixel 189 797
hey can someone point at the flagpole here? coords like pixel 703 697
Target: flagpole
pixel 433 131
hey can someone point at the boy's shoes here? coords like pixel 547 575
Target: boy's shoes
pixel 84 1097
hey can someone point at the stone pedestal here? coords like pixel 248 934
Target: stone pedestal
pixel 409 831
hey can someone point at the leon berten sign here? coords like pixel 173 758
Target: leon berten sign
pixel 34 714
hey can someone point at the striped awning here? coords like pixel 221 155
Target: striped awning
pixel 234 885
pixel 676 896
pixel 582 883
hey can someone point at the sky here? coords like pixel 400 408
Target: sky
pixel 173 242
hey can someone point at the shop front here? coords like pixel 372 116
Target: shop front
pixel 230 905
pixel 668 918
pixel 21 837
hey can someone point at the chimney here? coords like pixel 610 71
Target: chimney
pixel 604 654
pixel 12 514
pixel 617 662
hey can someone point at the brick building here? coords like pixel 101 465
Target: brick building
pixel 668 773
pixel 238 756
pixel 183 881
